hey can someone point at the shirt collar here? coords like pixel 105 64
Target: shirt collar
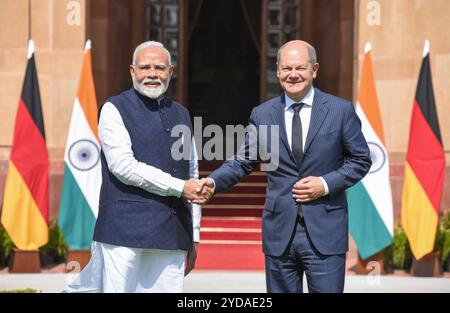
pixel 307 100
pixel 160 100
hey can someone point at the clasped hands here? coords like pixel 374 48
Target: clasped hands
pixel 198 191
pixel 308 189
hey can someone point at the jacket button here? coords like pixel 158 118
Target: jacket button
pixel 174 170
pixel 174 212
pixel 167 129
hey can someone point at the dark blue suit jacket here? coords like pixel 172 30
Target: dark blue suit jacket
pixel 335 149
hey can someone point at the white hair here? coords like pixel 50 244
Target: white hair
pixel 147 44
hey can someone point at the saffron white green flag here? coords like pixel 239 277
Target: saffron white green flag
pixel 82 172
pixel 370 200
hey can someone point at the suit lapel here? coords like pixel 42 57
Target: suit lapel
pixel 278 119
pixel 318 114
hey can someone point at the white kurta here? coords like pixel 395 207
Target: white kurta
pixel 121 269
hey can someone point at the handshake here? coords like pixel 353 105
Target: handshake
pixel 198 191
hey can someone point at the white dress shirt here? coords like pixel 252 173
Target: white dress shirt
pixel 305 117
pixel 116 144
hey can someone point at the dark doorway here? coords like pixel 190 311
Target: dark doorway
pixel 224 61
pixel 225 49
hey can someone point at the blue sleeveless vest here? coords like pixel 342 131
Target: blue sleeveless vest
pixel 129 216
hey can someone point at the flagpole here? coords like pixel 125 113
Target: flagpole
pixel 29 20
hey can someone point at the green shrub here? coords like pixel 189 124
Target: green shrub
pixel 399 255
pixel 401 251
pixel 446 220
pixel 56 249
pixel 6 247
pixel 28 290
pixel 439 241
pixel 387 255
pixel 443 240
pixel 445 252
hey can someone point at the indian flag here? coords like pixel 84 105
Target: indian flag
pixel 82 172
pixel 370 200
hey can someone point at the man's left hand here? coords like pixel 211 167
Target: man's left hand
pixel 190 259
pixel 308 189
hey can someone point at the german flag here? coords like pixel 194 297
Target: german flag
pixel 424 167
pixel 25 202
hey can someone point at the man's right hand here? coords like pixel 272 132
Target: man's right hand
pixel 206 191
pixel 198 191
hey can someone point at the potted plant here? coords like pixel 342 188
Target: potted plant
pixel 445 256
pixel 430 265
pixel 443 246
pixel 56 249
pixel 388 261
pixel 6 247
pixel 401 251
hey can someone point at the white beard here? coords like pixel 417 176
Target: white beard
pixel 152 93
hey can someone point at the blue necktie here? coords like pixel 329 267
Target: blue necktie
pixel 297 134
pixel 297 142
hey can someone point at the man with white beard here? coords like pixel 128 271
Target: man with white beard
pixel 146 233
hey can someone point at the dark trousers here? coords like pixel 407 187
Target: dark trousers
pixel 324 273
